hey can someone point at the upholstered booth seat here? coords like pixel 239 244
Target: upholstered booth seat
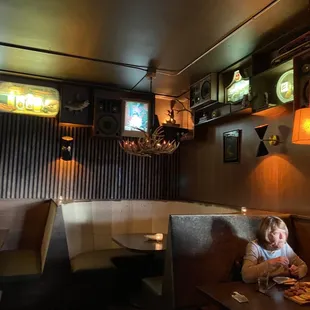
pixel 29 224
pixel 301 231
pixel 19 263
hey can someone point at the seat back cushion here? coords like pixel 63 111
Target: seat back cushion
pixel 48 232
pixel 301 228
pixel 19 263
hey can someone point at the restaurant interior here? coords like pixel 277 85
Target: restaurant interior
pixel 141 145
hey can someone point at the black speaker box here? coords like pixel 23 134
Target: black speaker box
pixel 302 80
pixel 108 117
pixel 204 92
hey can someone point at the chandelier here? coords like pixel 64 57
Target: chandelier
pixel 149 144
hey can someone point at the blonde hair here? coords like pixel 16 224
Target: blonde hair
pixel 267 226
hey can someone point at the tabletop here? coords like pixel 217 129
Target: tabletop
pixel 138 243
pixel 274 299
pixel 3 234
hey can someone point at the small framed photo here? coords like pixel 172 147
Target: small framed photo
pixel 232 143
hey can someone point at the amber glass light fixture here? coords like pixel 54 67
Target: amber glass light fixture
pixel 66 148
pixel 150 144
pixel 301 128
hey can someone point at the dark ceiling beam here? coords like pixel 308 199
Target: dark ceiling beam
pixel 80 83
pixel 44 51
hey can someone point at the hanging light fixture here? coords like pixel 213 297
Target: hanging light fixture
pixel 301 128
pixel 151 143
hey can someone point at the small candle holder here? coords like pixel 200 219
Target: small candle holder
pixel 158 246
pixel 243 210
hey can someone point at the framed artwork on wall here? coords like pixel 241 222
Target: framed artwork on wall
pixel 231 146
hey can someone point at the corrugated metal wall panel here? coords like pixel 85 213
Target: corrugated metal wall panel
pixel 30 165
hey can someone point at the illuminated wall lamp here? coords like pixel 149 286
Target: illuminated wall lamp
pixel 273 140
pixel 66 148
pixel 301 128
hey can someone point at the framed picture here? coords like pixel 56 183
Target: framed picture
pixel 232 141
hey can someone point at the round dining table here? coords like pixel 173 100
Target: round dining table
pixel 138 243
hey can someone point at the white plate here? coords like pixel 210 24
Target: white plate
pixel 281 280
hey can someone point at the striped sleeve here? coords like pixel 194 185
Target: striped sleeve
pixel 297 261
pixel 251 269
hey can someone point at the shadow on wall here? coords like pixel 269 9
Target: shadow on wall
pixel 216 255
pixel 222 249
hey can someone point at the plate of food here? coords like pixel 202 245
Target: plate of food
pixel 299 293
pixel 284 280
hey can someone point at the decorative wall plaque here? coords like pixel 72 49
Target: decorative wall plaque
pixel 29 99
pixel 238 88
pixel 232 142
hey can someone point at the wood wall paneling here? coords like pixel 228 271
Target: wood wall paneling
pixel 277 182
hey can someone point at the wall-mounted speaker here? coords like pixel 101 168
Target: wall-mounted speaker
pixel 108 117
pixel 205 91
pixel 302 80
pixel 306 85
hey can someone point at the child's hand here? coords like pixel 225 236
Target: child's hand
pixel 294 271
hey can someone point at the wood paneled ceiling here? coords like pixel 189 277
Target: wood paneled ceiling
pixel 74 39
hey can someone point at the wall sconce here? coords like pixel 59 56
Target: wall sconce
pixel 273 140
pixel 66 148
pixel 301 128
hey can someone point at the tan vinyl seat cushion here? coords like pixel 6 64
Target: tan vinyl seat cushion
pixel 155 284
pixel 100 259
pixel 19 262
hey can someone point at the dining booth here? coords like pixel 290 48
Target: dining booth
pixel 207 249
pixel 91 226
pixel 204 245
